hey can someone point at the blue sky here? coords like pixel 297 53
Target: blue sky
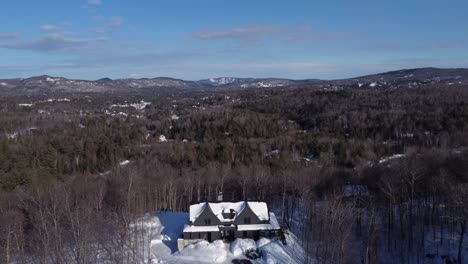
pixel 299 39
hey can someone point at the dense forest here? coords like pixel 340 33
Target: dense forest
pixel 75 173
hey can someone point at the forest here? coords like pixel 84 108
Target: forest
pixel 359 175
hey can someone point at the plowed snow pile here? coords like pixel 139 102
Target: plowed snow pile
pixel 158 234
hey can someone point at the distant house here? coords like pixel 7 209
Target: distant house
pixel 228 221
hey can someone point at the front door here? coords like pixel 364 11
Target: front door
pixel 231 235
pixel 228 234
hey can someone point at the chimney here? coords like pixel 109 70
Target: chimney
pixel 220 197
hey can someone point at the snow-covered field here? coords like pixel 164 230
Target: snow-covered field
pixel 158 234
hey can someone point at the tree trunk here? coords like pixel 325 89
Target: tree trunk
pixel 460 242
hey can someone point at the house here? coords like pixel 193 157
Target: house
pixel 230 220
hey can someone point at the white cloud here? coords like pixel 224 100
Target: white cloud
pixel 8 36
pixel 52 42
pixel 49 27
pixel 115 21
pixel 99 17
pixel 99 30
pixel 255 32
pixel 238 33
pixel 94 2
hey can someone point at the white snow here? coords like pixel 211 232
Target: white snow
pixel 158 244
pixel 240 246
pixel 138 106
pixel 124 163
pixel 204 252
pixel 175 117
pixel 274 152
pixel 222 80
pixel 273 225
pixel 373 84
pixel 396 156
pixel 3 84
pixel 12 135
pixel 162 138
pixel 219 208
pixel 25 105
pixel 192 228
pixel 263 85
pixel 52 79
pixel 259 208
pixel 195 210
pixel 57 100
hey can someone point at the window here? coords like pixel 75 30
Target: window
pixel 207 221
pixel 247 220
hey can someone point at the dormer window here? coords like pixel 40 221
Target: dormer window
pixel 229 214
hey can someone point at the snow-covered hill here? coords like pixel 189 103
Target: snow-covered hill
pixel 412 78
pixel 158 234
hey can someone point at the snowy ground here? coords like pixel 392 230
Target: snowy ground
pixel 158 234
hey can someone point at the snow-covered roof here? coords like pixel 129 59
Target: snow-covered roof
pixel 196 210
pixel 192 228
pixel 220 208
pixel 273 225
pixel 258 208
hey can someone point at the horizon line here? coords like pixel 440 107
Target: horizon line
pixel 238 77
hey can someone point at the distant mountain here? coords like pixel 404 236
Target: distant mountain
pixel 104 80
pixel 409 78
pixel 47 83
pixel 247 82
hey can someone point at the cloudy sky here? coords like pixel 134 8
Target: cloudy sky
pixel 91 39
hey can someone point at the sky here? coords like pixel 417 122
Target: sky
pixel 199 39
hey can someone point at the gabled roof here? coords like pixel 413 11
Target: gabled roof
pixel 260 209
pixel 272 225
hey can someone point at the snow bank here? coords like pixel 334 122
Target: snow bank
pixel 240 246
pixel 205 252
pixel 275 252
pixel 161 231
